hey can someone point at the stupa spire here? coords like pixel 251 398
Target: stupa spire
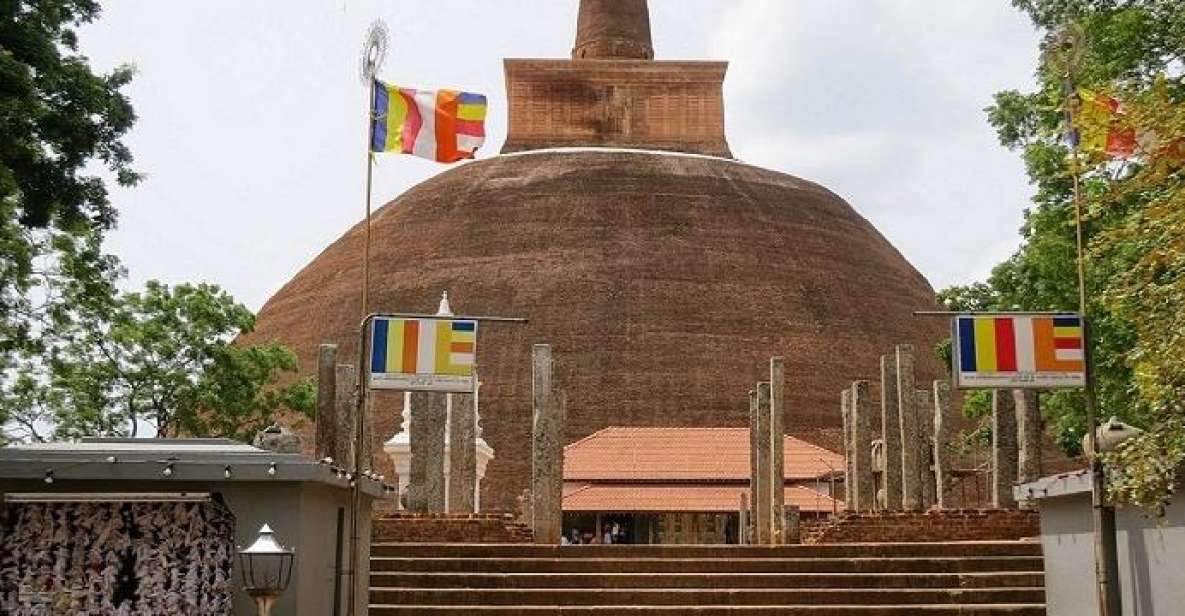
pixel 613 30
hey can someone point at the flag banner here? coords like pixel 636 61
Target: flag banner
pixel 1018 352
pixel 1102 126
pixel 441 125
pixel 423 354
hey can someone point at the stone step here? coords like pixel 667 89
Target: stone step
pixel 1018 609
pixel 690 597
pixel 918 565
pixel 837 550
pixel 387 581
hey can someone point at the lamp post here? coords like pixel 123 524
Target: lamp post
pixel 267 569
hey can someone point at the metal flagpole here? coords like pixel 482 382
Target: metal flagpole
pixel 1103 515
pixel 369 178
pixel 374 50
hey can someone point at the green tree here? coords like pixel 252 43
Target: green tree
pixel 59 123
pixel 1135 49
pixel 76 356
pixel 165 358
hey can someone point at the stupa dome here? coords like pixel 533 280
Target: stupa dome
pixel 663 277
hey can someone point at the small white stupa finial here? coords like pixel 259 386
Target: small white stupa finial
pixel 444 310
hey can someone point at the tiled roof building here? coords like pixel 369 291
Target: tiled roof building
pixel 681 485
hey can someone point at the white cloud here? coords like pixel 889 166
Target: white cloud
pixel 251 124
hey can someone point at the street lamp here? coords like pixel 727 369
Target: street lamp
pixel 267 569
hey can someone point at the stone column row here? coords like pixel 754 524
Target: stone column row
pixel 766 458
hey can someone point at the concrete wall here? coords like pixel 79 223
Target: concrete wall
pixel 1151 558
pixel 303 515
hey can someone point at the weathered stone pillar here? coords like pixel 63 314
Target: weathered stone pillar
pixel 925 447
pixel 462 467
pixel 793 525
pixel 942 434
pixel 345 409
pixel 862 476
pixel 1030 428
pixel 425 490
pixel 325 444
pixel 911 458
pixel 743 528
pixel 547 450
pixel 777 406
pixel 763 507
pixel 755 468
pixel 891 433
pixel 849 457
pixel 1004 450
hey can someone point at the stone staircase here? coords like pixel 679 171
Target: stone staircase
pixel 990 578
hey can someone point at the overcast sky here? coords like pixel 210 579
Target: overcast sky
pixel 252 133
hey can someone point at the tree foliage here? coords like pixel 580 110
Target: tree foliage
pixel 1134 49
pixel 77 357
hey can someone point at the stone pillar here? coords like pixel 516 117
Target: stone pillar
pixel 849 457
pixel 425 490
pixel 925 446
pixel 777 406
pixel 743 528
pixel 462 482
pixel 891 433
pixel 1030 429
pixel 907 404
pixel 1004 450
pixel 861 421
pixel 942 434
pixel 755 469
pixel 793 525
pixel 325 444
pixel 763 503
pixel 547 450
pixel 345 407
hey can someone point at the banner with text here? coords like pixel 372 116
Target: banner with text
pixel 1018 351
pixel 423 354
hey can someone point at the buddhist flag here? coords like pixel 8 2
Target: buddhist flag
pixel 441 125
pixel 1102 127
pixel 1019 351
pixel 423 354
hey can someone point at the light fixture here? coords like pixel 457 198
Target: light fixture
pixel 226 471
pixel 267 569
pixel 271 469
pixel 168 472
pixel 112 459
pixel 49 476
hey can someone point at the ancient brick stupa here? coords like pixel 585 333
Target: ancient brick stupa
pixel 663 272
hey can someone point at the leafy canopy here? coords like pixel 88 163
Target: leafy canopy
pixel 77 356
pixel 1134 49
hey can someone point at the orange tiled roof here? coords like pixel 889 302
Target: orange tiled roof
pixel 683 498
pixel 684 454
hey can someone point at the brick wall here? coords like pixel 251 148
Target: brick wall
pixel 927 526
pixel 406 527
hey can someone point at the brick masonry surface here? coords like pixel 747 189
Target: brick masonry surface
pixel 404 527
pixel 928 526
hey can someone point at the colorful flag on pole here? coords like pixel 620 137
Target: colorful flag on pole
pixel 1102 127
pixel 441 125
pixel 1019 351
pixel 423 354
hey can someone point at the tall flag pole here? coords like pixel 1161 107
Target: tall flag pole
pixel 1070 45
pixel 374 51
